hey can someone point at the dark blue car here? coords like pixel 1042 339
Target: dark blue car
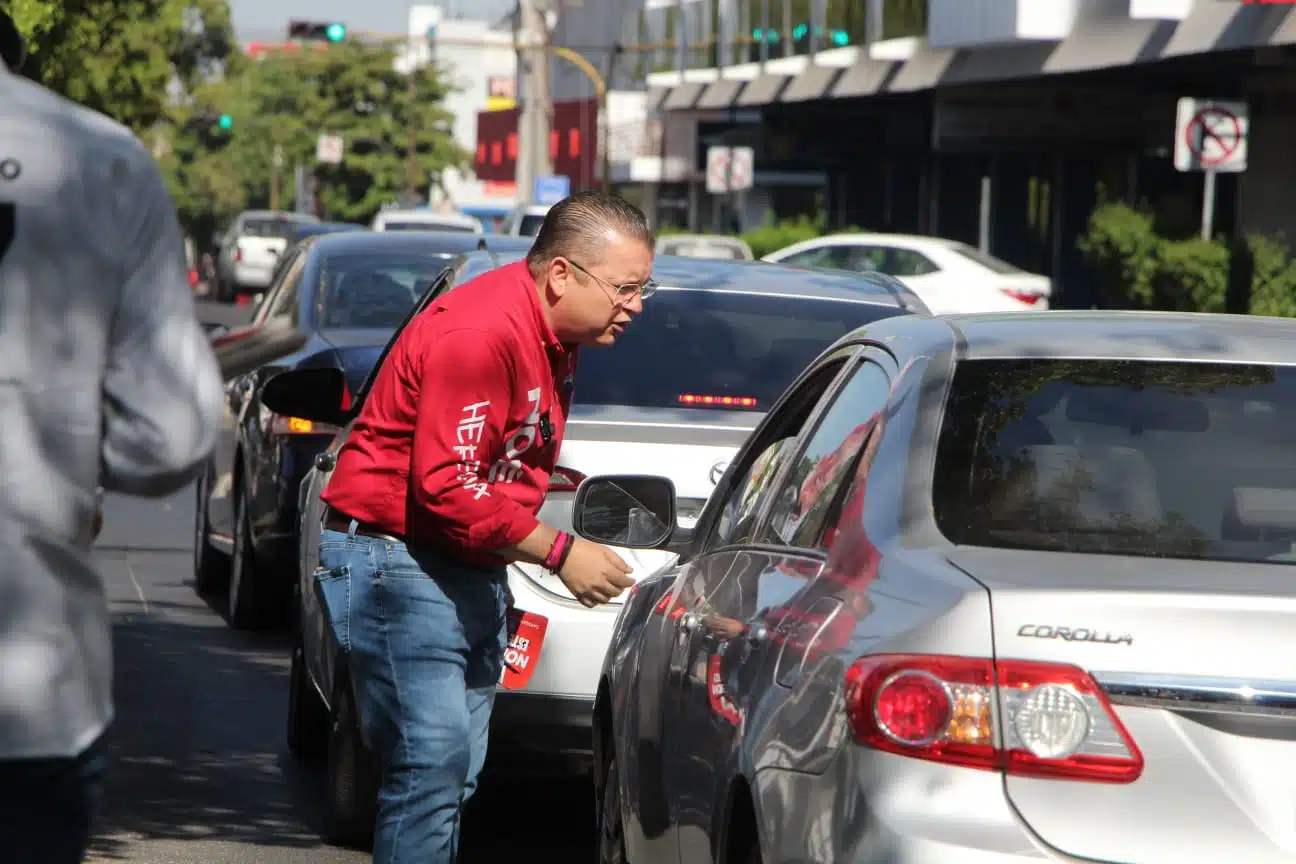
pixel 349 291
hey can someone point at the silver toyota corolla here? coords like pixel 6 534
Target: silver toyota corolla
pixel 985 589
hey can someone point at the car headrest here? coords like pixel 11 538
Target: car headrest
pixel 1149 409
pixel 1260 513
pixel 1100 485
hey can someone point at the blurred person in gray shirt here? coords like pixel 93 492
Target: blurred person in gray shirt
pixel 106 379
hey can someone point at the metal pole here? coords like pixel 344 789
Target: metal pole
pixel 605 155
pixel 1208 205
pixel 276 167
pixel 983 235
pixel 411 156
pixel 533 119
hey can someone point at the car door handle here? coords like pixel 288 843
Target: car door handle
pixel 689 622
pixel 758 634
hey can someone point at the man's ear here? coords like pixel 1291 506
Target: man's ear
pixel 558 271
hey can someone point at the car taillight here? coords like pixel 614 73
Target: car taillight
pixel 1054 720
pixel 1024 296
pixel 717 401
pixel 280 425
pixel 564 480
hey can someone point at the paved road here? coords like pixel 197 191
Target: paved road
pixel 200 773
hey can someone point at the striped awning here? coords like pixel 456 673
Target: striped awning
pixel 684 96
pixel 866 78
pixel 721 94
pixel 763 91
pixel 814 83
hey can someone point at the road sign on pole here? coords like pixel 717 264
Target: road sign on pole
pixel 1211 135
pixel 329 149
pixel 552 189
pixel 729 169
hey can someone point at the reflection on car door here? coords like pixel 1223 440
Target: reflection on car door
pixel 758 605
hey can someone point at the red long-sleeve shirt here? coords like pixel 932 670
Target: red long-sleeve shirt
pixel 449 449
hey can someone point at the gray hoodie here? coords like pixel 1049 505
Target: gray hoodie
pixel 106 379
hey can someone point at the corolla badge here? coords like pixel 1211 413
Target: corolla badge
pixel 1075 634
pixel 717 471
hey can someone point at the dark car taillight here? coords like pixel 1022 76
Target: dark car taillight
pixel 1055 721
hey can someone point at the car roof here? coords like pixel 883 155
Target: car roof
pixel 1108 335
pixel 433 242
pixel 277 214
pixel 424 216
pixel 760 277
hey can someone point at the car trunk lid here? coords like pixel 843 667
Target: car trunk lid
pixel 690 446
pixel 1196 658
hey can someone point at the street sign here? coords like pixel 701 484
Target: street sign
pixel 729 169
pixel 551 190
pixel 1211 135
pixel 329 149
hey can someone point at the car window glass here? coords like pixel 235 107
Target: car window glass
pixel 907 262
pixel 285 302
pixel 271 295
pixel 803 502
pixel 861 259
pixel 824 256
pixel 761 462
pixel 375 290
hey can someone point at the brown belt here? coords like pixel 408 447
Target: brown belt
pixel 335 520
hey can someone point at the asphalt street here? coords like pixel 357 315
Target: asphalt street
pixel 199 769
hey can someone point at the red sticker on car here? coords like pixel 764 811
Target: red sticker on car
pixel 526 632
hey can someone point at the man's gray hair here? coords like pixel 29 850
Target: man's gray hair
pixel 578 226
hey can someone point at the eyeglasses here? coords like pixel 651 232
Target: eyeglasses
pixel 623 293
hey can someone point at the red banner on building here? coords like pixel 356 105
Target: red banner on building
pixel 573 144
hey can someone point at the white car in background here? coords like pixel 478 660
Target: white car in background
pixel 950 277
pixel 249 250
pixel 526 221
pixel 425 220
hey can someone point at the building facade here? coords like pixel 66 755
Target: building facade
pixel 995 122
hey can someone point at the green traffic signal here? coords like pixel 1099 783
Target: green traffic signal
pixel 335 32
pixel 225 122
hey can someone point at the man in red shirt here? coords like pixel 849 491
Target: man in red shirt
pixel 437 489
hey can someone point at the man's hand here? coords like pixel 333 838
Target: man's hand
pixel 593 573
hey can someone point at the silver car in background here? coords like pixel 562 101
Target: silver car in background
pixel 991 588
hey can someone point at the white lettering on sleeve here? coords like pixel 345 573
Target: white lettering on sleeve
pixel 509 469
pixel 471 422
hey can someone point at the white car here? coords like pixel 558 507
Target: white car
pixel 526 221
pixel 425 220
pixel 250 250
pixel 949 276
pixel 677 395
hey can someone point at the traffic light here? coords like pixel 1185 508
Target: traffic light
pixel 317 31
pixel 225 122
pixel 836 38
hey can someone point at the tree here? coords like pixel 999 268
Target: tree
pixel 352 90
pixel 124 58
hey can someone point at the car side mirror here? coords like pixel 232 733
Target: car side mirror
pixel 317 395
pixel 631 511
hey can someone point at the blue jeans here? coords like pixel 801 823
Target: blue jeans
pixel 424 638
pixel 47 807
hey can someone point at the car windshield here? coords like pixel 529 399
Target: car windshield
pixel 530 225
pixel 702 249
pixel 476 265
pixel 427 226
pixel 283 229
pixel 1162 459
pixel 711 349
pixel 375 289
pixel 991 263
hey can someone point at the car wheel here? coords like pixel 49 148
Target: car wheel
pixel 248 594
pixel 611 827
pixel 211 569
pixel 351 791
pixel 308 719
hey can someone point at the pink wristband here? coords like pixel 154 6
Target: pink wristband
pixel 557 551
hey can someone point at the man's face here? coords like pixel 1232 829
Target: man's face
pixel 599 296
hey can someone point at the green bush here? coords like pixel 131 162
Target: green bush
pixel 773 236
pixel 1136 265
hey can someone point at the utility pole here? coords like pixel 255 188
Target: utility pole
pixel 276 168
pixel 534 120
pixel 412 179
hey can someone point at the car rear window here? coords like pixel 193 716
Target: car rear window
pixel 991 263
pixel 739 351
pixel 283 229
pixel 530 225
pixel 700 249
pixel 427 226
pixel 374 290
pixel 1161 459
